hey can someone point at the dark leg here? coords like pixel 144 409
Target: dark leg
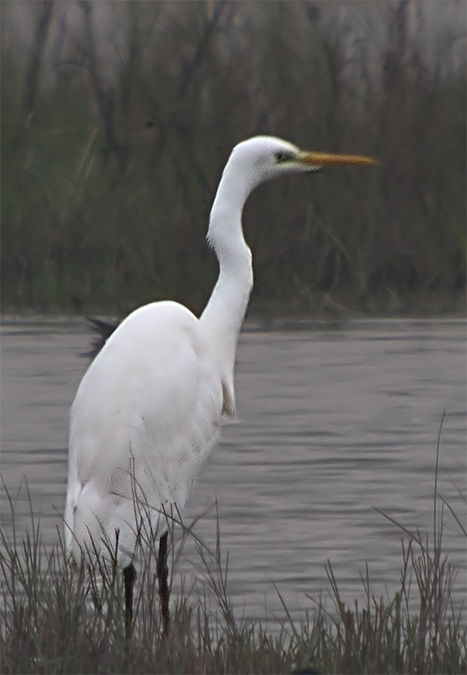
pixel 129 577
pixel 163 576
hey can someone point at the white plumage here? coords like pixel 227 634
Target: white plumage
pixel 149 409
pixel 139 426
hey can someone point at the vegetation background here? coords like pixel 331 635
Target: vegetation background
pixel 117 119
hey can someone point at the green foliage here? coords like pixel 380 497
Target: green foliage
pixel 110 159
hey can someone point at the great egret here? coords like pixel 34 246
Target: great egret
pixel 149 409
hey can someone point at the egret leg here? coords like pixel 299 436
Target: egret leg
pixel 163 579
pixel 129 577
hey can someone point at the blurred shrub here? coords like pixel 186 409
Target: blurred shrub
pixel 117 119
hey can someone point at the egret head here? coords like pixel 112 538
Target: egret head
pixel 266 157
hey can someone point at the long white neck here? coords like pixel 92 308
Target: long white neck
pixel 224 313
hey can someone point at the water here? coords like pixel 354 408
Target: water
pixel 332 423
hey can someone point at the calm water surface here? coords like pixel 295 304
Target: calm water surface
pixel 332 422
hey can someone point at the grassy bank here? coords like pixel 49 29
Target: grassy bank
pixel 113 143
pixel 48 624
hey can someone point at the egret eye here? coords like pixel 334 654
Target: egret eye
pixel 282 157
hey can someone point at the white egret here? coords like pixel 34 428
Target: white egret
pixel 149 409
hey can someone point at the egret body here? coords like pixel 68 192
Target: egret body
pixel 150 407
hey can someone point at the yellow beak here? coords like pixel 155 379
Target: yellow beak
pixel 319 159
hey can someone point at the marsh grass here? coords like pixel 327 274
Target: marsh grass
pixel 49 624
